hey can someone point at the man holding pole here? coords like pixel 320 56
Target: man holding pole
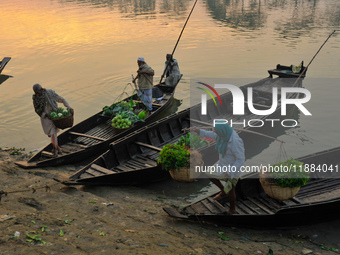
pixel 145 82
pixel 171 71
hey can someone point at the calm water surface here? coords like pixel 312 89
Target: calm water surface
pixel 86 51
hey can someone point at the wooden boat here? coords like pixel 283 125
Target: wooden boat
pixel 133 159
pixel 287 71
pixel 4 62
pixel 92 136
pixel 317 201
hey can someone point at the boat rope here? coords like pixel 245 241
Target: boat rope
pixel 180 35
pixel 304 70
pixel 119 97
pixel 139 93
pixel 282 154
pixel 33 189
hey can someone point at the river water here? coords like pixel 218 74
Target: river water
pixel 86 51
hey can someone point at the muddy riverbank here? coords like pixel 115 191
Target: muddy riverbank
pixel 117 220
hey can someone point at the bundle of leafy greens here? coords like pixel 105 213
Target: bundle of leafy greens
pixel 118 108
pixel 290 173
pixel 194 141
pixel 61 113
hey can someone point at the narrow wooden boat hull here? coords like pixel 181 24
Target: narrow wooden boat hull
pixel 129 157
pixel 317 201
pixel 91 137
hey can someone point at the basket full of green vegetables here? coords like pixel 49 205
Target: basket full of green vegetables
pixel 124 118
pixel 62 118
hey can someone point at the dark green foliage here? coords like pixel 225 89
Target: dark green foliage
pixel 289 173
pixel 193 141
pixel 174 156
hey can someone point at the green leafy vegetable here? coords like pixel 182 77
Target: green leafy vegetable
pixel 173 156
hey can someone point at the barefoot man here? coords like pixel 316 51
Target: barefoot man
pixel 231 157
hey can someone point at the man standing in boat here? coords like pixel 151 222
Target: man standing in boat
pixel 171 71
pixel 230 148
pixel 45 101
pixel 145 82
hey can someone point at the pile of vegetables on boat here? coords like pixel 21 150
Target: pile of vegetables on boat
pixel 193 141
pixel 117 108
pixel 61 113
pixel 124 114
pixel 125 119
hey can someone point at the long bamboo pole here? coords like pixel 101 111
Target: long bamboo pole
pixel 210 126
pixel 180 35
pixel 304 70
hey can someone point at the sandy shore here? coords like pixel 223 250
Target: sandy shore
pixel 115 220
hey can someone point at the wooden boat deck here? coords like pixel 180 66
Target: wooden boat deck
pixel 123 154
pixel 265 205
pixel 100 133
pixel 319 197
pixel 92 135
pixel 148 158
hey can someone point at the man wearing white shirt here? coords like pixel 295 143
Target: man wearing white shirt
pixel 230 148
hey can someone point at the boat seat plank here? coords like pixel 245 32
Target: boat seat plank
pixel 262 206
pixel 135 163
pixel 93 172
pixel 124 168
pixel 218 205
pixel 286 202
pixel 318 191
pixel 271 201
pixel 211 207
pixel 101 169
pixel 270 206
pixel 244 208
pixel 318 187
pixel 198 209
pixel 239 210
pixel 74 145
pixel 148 146
pixel 118 169
pixel 189 210
pixel 85 175
pixel 146 159
pixel 296 200
pixel 146 163
pixel 70 149
pixel 128 164
pixel 88 136
pixel 47 154
pixel 154 104
pixel 155 157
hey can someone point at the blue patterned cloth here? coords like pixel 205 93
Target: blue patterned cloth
pixel 146 96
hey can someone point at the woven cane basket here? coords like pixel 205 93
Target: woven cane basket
pixel 63 123
pixel 182 175
pixel 277 192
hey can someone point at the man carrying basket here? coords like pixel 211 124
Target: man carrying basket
pixel 45 101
